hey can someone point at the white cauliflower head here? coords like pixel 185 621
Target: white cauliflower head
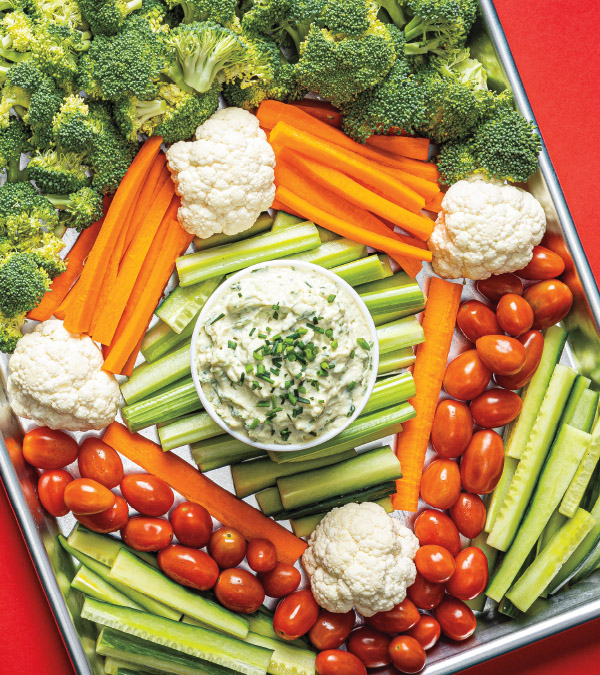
pixel 484 228
pixel 359 556
pixel 225 176
pixel 55 379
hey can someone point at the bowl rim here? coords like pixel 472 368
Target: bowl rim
pixel 359 303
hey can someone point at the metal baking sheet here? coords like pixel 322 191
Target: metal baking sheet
pixel 496 634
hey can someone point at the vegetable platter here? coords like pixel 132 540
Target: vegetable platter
pixel 46 536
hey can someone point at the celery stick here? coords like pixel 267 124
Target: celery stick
pixel 183 304
pixel 583 475
pixel 222 451
pixel 406 332
pixel 387 265
pixel 563 460
pixel 574 569
pixel 213 262
pixel 547 565
pixel 284 220
pixel 176 400
pixel 332 253
pixel 255 475
pixel 160 339
pixel 269 501
pixel 528 470
pixel 363 471
pixel 554 342
pixel 369 494
pixel 152 377
pixel 395 296
pixel 304 527
pixel 361 271
pixel 386 392
pixel 190 429
pixel 262 224
pixel 365 429
pixel 392 361
pixel 88 582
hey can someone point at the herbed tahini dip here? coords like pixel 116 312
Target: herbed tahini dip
pixel 285 356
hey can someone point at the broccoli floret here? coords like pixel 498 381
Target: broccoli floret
pixel 394 10
pixel 45 249
pixel 456 161
pixel 17 32
pixel 128 63
pixel 203 53
pixel 56 51
pixel 277 81
pixel 57 172
pixel 23 284
pixel 66 12
pixel 10 332
pixel 71 125
pixel 107 16
pixel 186 112
pixel 80 209
pixel 133 116
pixel 24 212
pixel 438 26
pixel 13 142
pixel 338 69
pixel 507 147
pixel 219 11
pixel 111 154
pixel 156 14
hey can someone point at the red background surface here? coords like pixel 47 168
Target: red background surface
pixel 556 51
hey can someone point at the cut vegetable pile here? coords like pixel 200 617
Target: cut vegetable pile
pixel 329 382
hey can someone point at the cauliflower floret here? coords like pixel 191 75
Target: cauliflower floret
pixel 55 379
pixel 359 556
pixel 225 176
pixel 485 228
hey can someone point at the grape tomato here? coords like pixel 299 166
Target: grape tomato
pixel 435 563
pixel 427 631
pixel 113 519
pixel 495 408
pixel 533 341
pixel 498 285
pixel 370 646
pixel 440 483
pixel 468 514
pixel 295 615
pixel 188 567
pixel 550 301
pixel 435 527
pixel 51 491
pixel 544 264
pixel 99 461
pixel 261 555
pixel 282 580
pixel 240 591
pixel 476 320
pixel 192 524
pixel 47 448
pixel 471 575
pixel 331 629
pixel 482 463
pixel 456 619
pixel 466 376
pixel 501 354
pixel 337 662
pixel 452 428
pixel 515 315
pixel 147 534
pixel 424 593
pixel 407 654
pixel 399 619
pixel 84 496
pixel 227 546
pixel 148 494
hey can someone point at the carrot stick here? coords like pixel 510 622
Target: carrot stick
pixel 406 146
pixel 130 365
pixel 432 355
pixel 435 203
pixel 271 112
pixel 63 282
pixel 196 487
pixel 345 229
pixel 131 265
pixel 280 207
pixel 78 318
pixel 336 206
pixel 322 110
pixel 426 188
pixel 348 162
pixel 357 194
pixel 156 176
pixel 148 288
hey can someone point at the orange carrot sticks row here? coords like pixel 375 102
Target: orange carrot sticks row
pixel 406 146
pixel 432 355
pixel 347 188
pixel 195 487
pixel 80 311
pixel 331 222
pixel 322 110
pixel 284 135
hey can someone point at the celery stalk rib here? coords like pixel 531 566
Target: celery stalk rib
pixel 262 224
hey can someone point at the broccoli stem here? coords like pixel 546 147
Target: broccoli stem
pixel 60 202
pixel 201 68
pixel 12 55
pixel 60 230
pixel 132 5
pixel 395 12
pixel 13 172
pixel 145 110
pixel 416 27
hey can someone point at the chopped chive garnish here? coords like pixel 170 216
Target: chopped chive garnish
pixel 276 307
pixel 275 315
pixel 351 411
pixel 260 369
pixel 263 404
pixel 302 390
pixel 291 356
pixel 303 400
pixel 352 353
pixel 273 401
pixel 315 320
pixel 302 331
pixel 322 373
pixel 334 344
pixel 217 319
pixel 364 344
pixel 232 345
pixel 318 329
pixel 242 378
pixel 285 434
pixel 249 367
pixel 266 378
pixel 351 386
pixel 331 298
pixel 329 333
pixel 275 411
pixel 292 399
pixel 262 336
pixel 255 385
pixel 275 371
pixel 288 383
pixel 324 365
pixel 254 423
pixel 252 331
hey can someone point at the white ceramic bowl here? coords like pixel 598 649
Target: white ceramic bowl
pixel 214 300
